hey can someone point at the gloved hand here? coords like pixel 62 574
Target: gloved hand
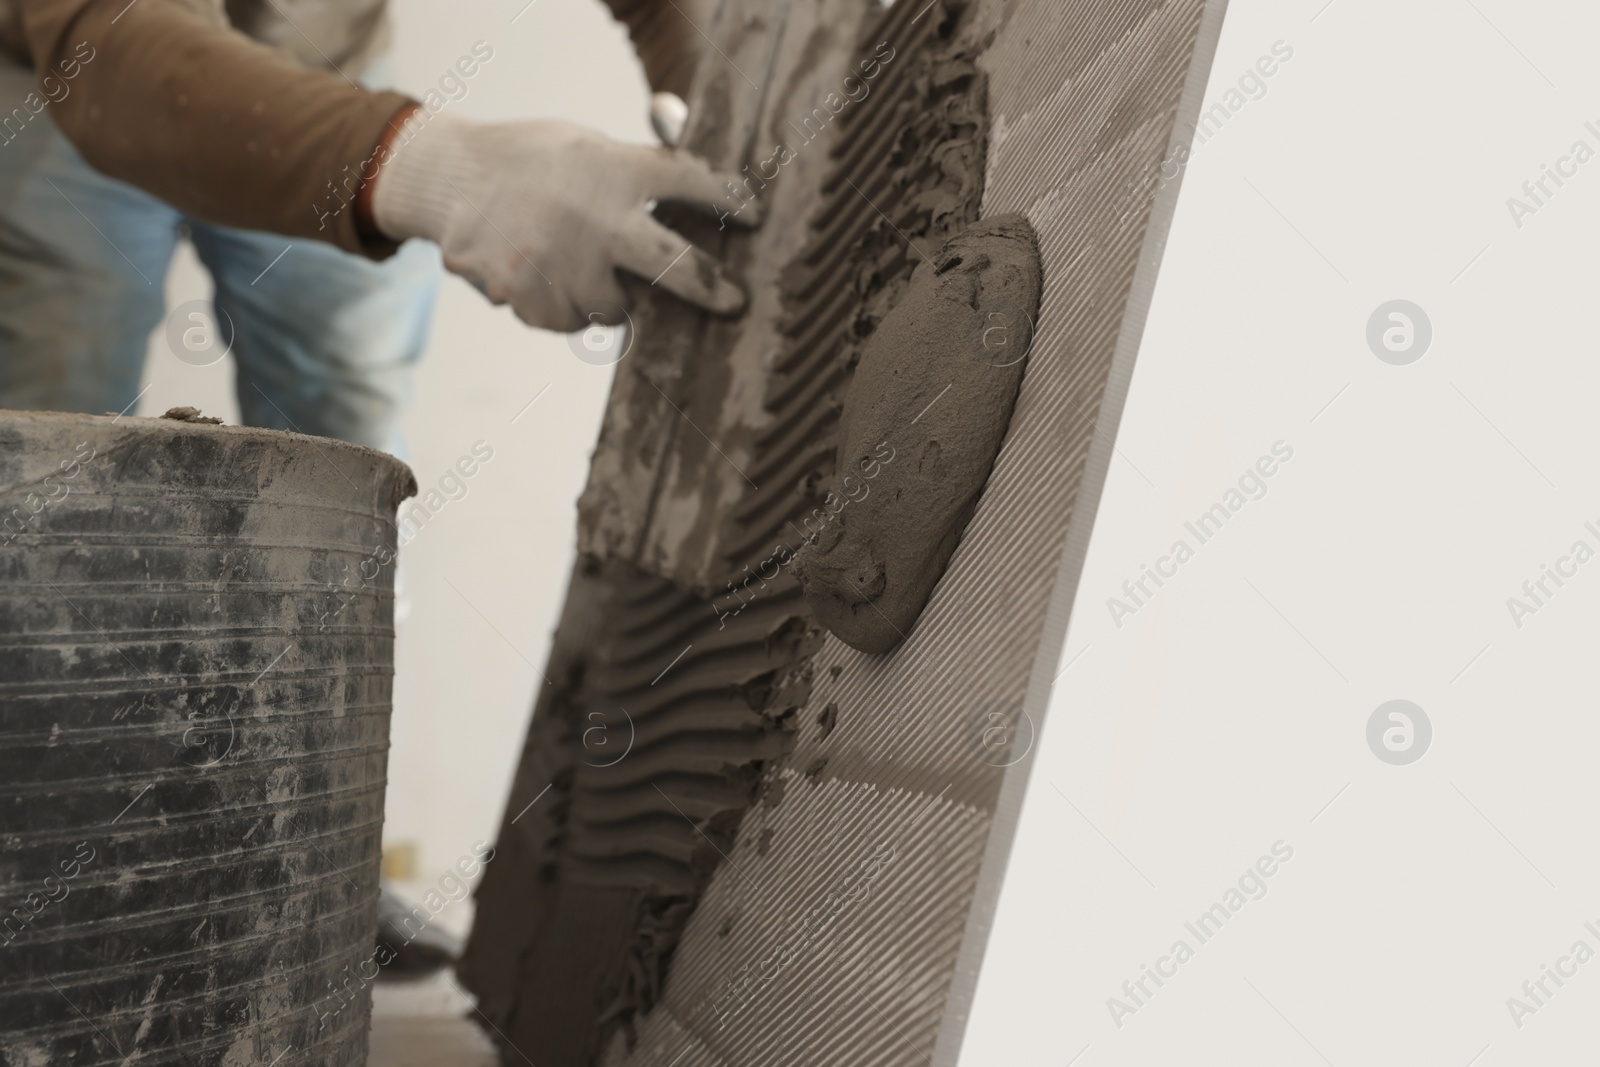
pixel 541 214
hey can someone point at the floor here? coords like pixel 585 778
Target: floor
pixel 430 1023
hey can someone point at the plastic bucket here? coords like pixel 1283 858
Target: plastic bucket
pixel 196 660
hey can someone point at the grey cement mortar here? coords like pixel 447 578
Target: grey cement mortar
pixel 936 384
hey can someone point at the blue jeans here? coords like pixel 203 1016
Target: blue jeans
pixel 324 342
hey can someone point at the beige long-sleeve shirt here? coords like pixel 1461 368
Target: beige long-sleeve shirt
pixel 244 116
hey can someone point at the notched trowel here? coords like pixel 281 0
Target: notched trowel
pixel 934 393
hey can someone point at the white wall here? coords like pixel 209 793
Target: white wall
pixel 1230 713
pixel 485 578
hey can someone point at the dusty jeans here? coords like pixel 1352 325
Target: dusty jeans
pixel 323 341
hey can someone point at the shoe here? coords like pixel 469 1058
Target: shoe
pixel 408 947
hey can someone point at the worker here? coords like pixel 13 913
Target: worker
pixel 317 199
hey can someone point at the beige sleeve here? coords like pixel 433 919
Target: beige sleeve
pixel 166 96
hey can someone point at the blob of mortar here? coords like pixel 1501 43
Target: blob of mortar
pixel 934 391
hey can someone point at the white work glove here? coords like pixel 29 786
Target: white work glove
pixel 541 214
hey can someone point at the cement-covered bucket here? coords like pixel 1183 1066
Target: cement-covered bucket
pixel 196 658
